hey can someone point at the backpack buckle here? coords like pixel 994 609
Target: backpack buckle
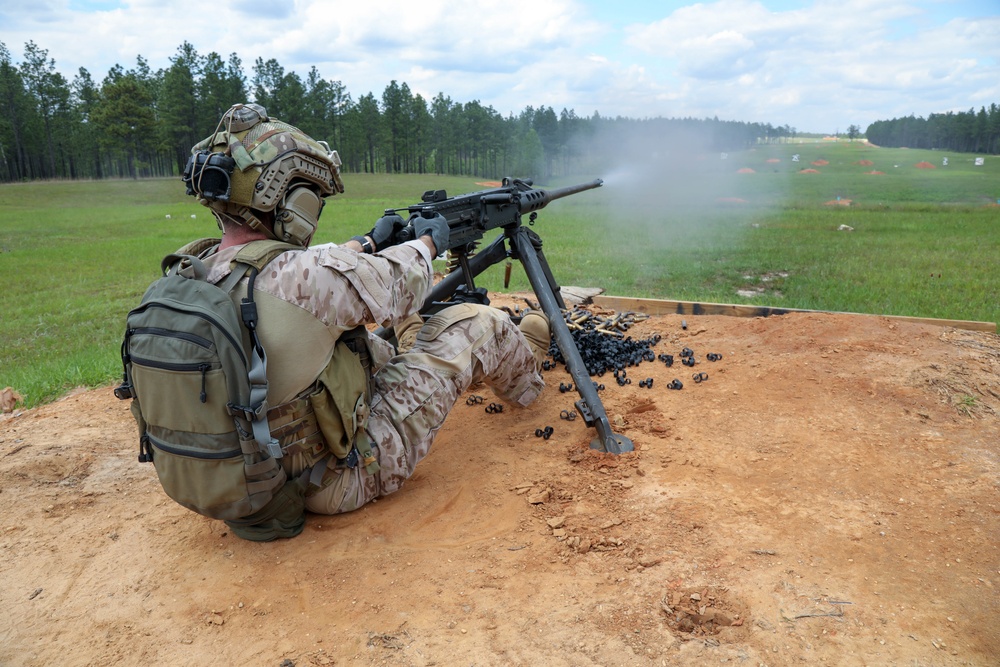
pixel 245 412
pixel 274 449
pixel 124 391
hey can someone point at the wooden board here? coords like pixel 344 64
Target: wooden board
pixel 668 307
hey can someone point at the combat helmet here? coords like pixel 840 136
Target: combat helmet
pixel 253 164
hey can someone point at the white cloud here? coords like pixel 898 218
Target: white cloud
pixel 821 61
pixel 827 64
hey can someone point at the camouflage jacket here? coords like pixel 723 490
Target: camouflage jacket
pixel 307 298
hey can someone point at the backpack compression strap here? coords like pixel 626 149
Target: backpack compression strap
pixel 257 374
pixel 251 259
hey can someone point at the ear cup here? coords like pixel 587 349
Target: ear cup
pixel 296 217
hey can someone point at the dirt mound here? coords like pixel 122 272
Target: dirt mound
pixel 773 160
pixel 819 163
pixel 838 202
pixel 9 399
pixel 808 171
pixel 875 173
pixel 828 490
pixel 745 170
pixel 925 165
pixel 865 163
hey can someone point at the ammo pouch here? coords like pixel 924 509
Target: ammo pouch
pixel 342 397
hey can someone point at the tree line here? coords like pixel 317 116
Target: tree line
pixel 140 123
pixel 963 132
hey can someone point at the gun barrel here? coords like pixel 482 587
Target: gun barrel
pixel 573 189
pixel 534 200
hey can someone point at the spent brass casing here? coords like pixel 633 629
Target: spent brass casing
pixel 608 332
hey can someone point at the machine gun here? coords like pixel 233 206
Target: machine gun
pixel 469 217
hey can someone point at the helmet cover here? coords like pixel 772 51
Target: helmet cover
pixel 249 163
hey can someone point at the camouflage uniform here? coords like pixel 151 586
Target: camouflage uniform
pixel 414 391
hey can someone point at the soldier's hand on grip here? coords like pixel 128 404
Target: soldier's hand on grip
pixel 434 226
pixel 385 233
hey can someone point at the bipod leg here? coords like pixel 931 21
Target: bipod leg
pixel 543 284
pixel 536 243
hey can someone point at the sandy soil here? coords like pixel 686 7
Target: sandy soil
pixel 829 496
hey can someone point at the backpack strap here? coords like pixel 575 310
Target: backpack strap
pixel 255 254
pixel 186 260
pixel 187 266
pixel 257 374
pixel 251 258
pixel 228 284
pixel 198 247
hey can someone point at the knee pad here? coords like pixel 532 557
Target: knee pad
pixel 450 316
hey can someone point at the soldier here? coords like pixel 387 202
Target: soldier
pixel 354 430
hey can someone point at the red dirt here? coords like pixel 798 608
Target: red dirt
pixel 9 399
pixel 809 171
pixel 838 202
pixel 875 173
pixel 827 497
pixel 925 165
pixel 746 170
pixel 865 163
pixel 773 160
pixel 820 163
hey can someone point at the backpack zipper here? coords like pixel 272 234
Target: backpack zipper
pixel 237 345
pixel 183 452
pixel 204 394
pixel 201 367
pixel 191 367
pixel 170 333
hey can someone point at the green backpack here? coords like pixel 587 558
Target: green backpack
pixel 199 399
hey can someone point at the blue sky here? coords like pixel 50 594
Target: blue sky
pixel 815 65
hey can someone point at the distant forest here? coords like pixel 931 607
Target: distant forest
pixel 140 123
pixel 964 132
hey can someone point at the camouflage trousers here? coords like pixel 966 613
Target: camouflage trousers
pixel 414 392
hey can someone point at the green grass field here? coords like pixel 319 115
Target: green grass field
pixel 750 228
